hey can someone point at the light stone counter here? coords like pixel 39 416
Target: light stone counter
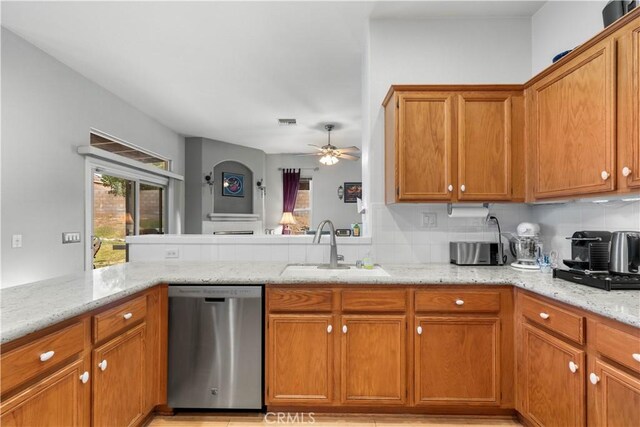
pixel 29 308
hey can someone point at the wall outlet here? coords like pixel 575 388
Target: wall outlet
pixel 172 253
pixel 429 220
pixel 16 241
pixel 70 237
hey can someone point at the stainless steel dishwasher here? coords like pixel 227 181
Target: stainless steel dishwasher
pixel 215 347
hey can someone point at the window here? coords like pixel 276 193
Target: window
pixel 302 210
pixel 129 151
pixel 124 201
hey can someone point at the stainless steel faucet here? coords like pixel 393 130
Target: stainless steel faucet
pixel 333 254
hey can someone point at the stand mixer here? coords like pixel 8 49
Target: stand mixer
pixel 525 246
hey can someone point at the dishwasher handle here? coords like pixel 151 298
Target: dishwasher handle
pixel 214 300
pixel 217 292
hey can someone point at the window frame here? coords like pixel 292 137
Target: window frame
pixel 94 165
pixel 310 208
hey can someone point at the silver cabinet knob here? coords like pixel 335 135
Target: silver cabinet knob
pixel 626 171
pixel 593 378
pixel 103 365
pixel 636 357
pixel 450 188
pixel 605 175
pixel 419 330
pixel 84 378
pixel 463 188
pixel 329 329
pixel 344 329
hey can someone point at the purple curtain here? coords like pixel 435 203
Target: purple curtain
pixel 290 184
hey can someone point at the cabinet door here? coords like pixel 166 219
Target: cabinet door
pixel 61 399
pixel 484 146
pixel 300 358
pixel 614 397
pixel 119 385
pixel 552 394
pixel 424 149
pixel 633 175
pixel 457 360
pixel 373 359
pixel 573 121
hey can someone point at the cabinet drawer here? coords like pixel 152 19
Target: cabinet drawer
pixel 119 318
pixel 619 346
pixel 300 300
pixel 457 301
pixel 563 322
pixel 30 360
pixel 374 300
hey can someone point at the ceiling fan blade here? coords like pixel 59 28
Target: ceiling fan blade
pixel 348 156
pixel 317 147
pixel 352 149
pixel 309 154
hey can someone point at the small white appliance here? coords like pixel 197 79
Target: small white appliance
pixel 526 246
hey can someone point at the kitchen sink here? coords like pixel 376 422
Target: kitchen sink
pixel 312 271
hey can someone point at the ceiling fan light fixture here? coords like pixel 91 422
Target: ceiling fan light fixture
pixel 329 160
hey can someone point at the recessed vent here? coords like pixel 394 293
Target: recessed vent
pixel 287 122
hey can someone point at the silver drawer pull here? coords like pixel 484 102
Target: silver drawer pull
pixel 636 357
pixel 544 315
pixel 127 316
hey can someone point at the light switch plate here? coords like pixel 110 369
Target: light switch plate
pixel 172 253
pixel 16 241
pixel 429 220
pixel 70 237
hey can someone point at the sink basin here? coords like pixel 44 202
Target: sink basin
pixel 312 271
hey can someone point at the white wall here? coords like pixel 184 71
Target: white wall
pixel 202 155
pixel 325 182
pixel 562 25
pixel 47 111
pixel 438 51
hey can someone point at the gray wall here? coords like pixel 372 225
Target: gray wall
pixel 202 155
pixel 325 202
pixel 232 204
pixel 47 111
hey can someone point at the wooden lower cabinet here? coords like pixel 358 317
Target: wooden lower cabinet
pixel 60 399
pixel 300 358
pixel 614 396
pixel 457 361
pixel 373 359
pixel 119 383
pixel 550 393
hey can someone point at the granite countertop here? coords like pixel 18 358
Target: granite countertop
pixel 31 307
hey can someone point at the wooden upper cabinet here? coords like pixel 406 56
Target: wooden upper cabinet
pixel 573 125
pixel 119 384
pixel 373 359
pixel 424 146
pixel 484 146
pixel 614 397
pixel 630 167
pixel 300 358
pixel 457 361
pixel 551 394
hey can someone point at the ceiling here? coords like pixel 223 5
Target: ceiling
pixel 229 70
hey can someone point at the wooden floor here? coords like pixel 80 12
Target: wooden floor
pixel 190 420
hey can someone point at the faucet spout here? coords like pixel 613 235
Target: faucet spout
pixel 333 254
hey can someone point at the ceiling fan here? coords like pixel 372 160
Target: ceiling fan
pixel 330 154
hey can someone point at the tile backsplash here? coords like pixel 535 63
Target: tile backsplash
pixel 560 221
pixel 398 235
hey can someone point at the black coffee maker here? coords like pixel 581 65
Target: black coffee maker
pixel 589 251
